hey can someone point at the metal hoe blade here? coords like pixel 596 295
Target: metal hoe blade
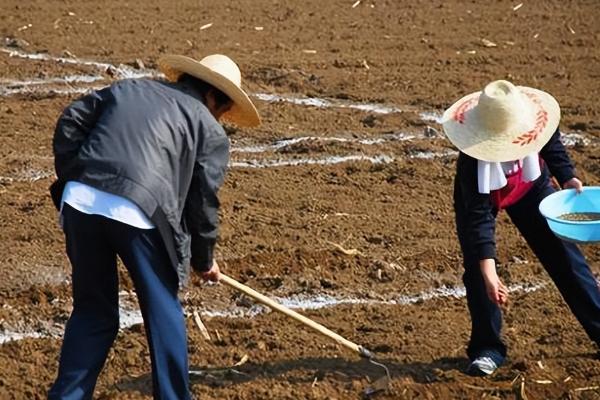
pixel 381 384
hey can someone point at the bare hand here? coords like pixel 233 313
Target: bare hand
pixel 213 274
pixel 573 183
pixel 496 290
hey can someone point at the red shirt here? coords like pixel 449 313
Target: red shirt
pixel 514 190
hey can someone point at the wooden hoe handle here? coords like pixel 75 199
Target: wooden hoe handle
pixel 293 314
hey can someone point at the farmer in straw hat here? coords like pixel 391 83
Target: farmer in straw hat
pixel 139 165
pixel 509 147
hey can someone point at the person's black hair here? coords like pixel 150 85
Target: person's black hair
pixel 204 87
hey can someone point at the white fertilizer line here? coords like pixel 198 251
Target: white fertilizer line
pixel 4 91
pixel 457 292
pixel 332 160
pixel 316 302
pixel 576 139
pixel 48 57
pixel 568 139
pixel 9 336
pixel 379 159
pixel 122 71
pixel 10 83
pixel 129 315
pixel 283 143
pixel 326 103
pixel 36 175
pixel 431 116
pixel 29 175
pixel 430 155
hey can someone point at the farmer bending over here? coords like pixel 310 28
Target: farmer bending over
pixel 139 165
pixel 509 147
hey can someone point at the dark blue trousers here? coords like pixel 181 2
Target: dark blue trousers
pixel 562 260
pixel 93 244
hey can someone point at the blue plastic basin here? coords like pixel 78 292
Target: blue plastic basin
pixel 568 201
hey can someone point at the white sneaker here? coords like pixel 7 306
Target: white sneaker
pixel 482 366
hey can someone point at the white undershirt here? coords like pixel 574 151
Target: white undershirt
pixel 90 200
pixel 492 175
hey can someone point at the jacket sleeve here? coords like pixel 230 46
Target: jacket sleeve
pixel 558 161
pixel 202 204
pixel 72 128
pixel 475 217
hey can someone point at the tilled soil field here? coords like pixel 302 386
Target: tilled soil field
pixel 339 205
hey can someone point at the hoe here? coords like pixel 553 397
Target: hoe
pixel 378 385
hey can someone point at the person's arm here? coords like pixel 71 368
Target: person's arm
pixel 72 129
pixel 477 227
pixel 497 292
pixel 202 204
pixel 477 222
pixel 560 165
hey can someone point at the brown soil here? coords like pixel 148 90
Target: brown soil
pixel 284 228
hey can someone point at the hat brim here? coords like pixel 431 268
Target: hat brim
pixel 460 125
pixel 243 113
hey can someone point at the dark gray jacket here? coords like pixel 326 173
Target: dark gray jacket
pixel 156 144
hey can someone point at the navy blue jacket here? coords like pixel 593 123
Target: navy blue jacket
pixel 156 144
pixel 475 213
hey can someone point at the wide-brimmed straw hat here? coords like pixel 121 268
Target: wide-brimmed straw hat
pixel 503 122
pixel 221 72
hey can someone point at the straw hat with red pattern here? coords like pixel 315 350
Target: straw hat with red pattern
pixel 221 72
pixel 503 122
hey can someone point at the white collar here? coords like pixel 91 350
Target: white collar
pixel 492 175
